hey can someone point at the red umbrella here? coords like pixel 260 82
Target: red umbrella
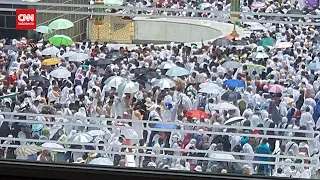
pixel 197 114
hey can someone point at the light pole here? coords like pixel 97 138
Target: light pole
pixel 235 7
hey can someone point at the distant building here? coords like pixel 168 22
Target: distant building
pixel 78 32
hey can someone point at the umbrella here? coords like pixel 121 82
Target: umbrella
pixel 231 65
pixel 26 151
pixel 254 66
pixel 295 11
pixel 61 24
pixel 128 87
pixel 209 85
pixel 53 146
pixel 43 29
pixel 60 73
pixel 102 161
pixel 96 133
pixel 50 62
pixel 259 55
pixel 197 114
pixel 37 79
pixel 257 5
pixel 282 45
pixel 114 81
pixel 104 62
pixel 255 26
pixel 165 83
pixel 37 127
pixel 260 49
pixel 231 96
pixel 205 5
pixel 233 83
pixel 75 57
pixel 140 71
pixel 50 51
pixel 10 48
pixel 11 95
pixel 151 75
pixel 222 156
pixel 221 42
pixel 177 71
pixel 168 65
pixel 229 37
pixel 59 40
pixel 234 120
pixel 210 91
pixel 240 43
pixel 267 42
pixel 224 106
pixel 113 2
pixel 275 88
pixel 314 65
pixel 81 138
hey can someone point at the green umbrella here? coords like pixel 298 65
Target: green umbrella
pixel 113 2
pixel 267 42
pixel 43 30
pixel 58 40
pixel 11 95
pixel 60 24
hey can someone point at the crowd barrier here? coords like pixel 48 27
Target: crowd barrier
pixel 218 131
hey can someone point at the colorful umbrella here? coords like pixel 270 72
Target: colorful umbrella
pixel 59 40
pixel 11 95
pixel 26 151
pixel 314 65
pixel 60 24
pixel 50 62
pixel 276 88
pixel 233 83
pixel 267 42
pixel 43 29
pixel 197 114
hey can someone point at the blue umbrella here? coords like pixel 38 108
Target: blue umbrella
pixel 314 65
pixel 233 83
pixel 37 127
pixel 177 71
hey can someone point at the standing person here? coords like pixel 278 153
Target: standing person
pixel 263 148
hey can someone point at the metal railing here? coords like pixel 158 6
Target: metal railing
pixel 110 152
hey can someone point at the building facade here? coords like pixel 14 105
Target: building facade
pixel 77 33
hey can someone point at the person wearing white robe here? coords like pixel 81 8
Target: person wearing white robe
pixel 247 148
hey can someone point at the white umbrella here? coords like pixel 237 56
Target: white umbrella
pixel 165 83
pixel 231 64
pixel 282 45
pixel 26 151
pixel 128 87
pixel 177 71
pixel 60 73
pixel 259 55
pixel 210 91
pixel 102 161
pixel 168 65
pixel 114 81
pixel 50 51
pixel 203 6
pixel 234 120
pixel 222 156
pixel 96 133
pixel 255 26
pixel 54 147
pixel 209 85
pixel 75 57
pixel 81 138
pixel 224 106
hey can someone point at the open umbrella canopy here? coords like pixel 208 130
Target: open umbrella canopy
pixel 103 62
pixel 218 157
pixel 128 87
pixel 96 133
pixel 231 96
pixel 60 24
pixel 168 65
pixel 43 30
pixel 221 42
pixel 234 120
pixel 197 114
pixel 314 65
pixel 150 75
pixel 295 11
pixel 53 146
pixel 75 56
pixel 60 73
pixel 231 64
pixel 11 95
pixel 139 71
pixel 113 2
pixel 81 138
pixel 102 161
pixel 224 106
pixel 282 45
pixel 260 49
pixel 21 151
pixel 212 91
pixel 59 40
pixel 164 83
pixel 259 55
pixel 254 66
pixel 267 42
pixel 177 71
pixel 50 62
pixel 234 83
pixel 209 85
pixel 50 51
pixel 275 88
pixel 114 81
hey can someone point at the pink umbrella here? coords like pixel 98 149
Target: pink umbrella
pixel 257 5
pixel 276 88
pixel 282 45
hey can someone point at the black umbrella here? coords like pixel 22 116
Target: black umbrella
pixel 37 78
pixel 221 42
pixel 295 11
pixel 231 96
pixel 239 43
pixel 104 62
pixel 150 75
pixel 139 71
pixel 115 55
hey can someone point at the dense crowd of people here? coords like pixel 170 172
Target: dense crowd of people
pixel 265 84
